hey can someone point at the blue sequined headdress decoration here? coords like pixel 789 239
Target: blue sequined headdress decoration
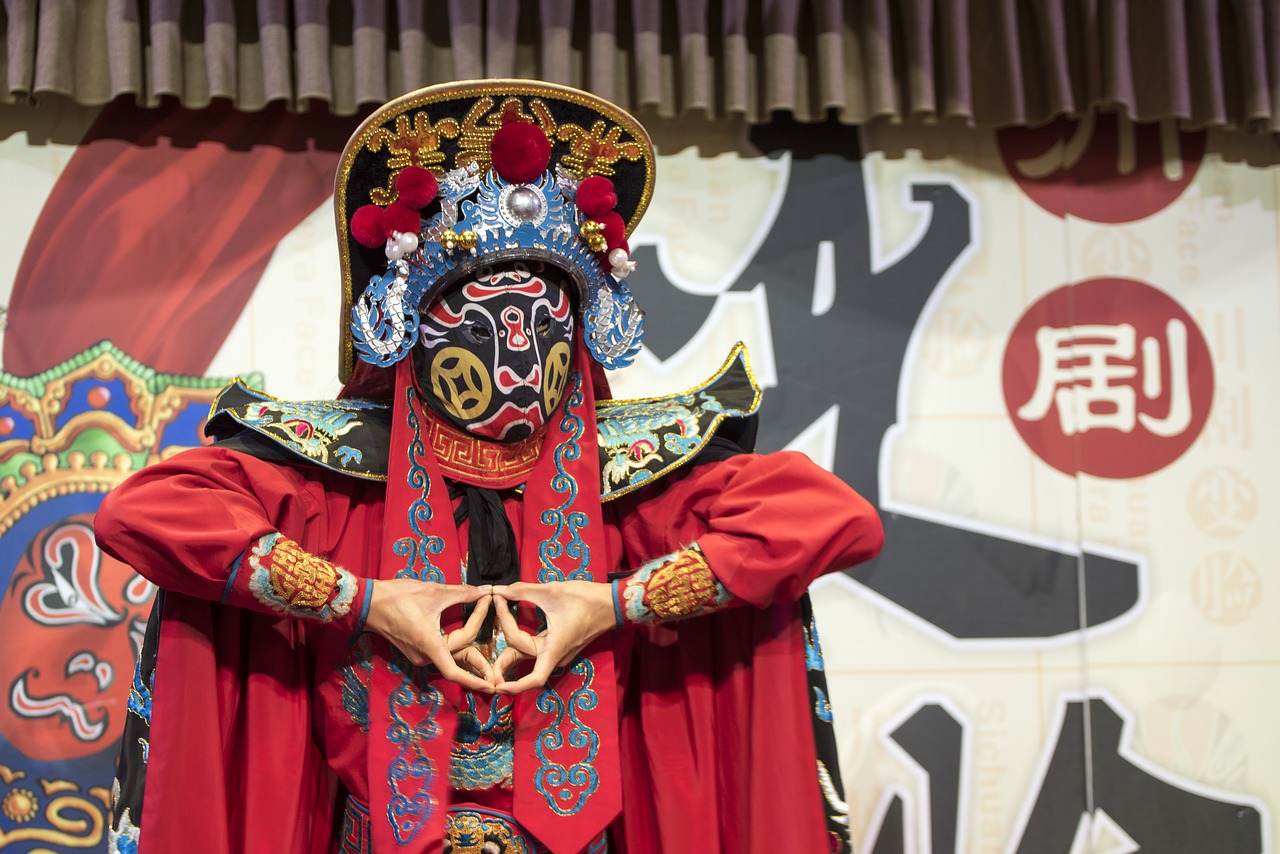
pixel 478 218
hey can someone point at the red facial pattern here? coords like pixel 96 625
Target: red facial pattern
pixel 513 322
pixel 507 380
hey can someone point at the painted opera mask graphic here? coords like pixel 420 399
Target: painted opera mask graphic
pixel 76 616
pixel 495 350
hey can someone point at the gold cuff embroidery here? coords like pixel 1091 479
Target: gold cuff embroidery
pixel 673 587
pixel 290 580
pixel 681 587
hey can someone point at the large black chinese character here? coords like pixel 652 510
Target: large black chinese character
pixel 969 584
pixel 1156 814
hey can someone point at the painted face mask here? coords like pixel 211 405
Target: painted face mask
pixel 494 352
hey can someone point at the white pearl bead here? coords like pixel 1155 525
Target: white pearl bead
pixel 618 257
pixel 394 252
pixel 408 242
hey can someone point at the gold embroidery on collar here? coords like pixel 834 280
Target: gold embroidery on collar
pixel 497 465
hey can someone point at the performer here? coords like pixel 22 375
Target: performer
pixel 476 605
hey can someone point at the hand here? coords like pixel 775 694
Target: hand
pixel 577 613
pixel 407 612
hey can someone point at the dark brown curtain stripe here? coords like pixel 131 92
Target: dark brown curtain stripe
pixel 1209 63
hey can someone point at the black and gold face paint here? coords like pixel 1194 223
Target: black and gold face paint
pixel 495 351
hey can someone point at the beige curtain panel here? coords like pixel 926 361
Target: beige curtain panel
pixel 983 62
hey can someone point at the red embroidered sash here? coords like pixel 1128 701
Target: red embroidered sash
pixel 567 786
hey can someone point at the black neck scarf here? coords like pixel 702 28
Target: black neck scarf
pixel 491 542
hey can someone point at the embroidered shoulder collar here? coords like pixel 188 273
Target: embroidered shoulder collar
pixel 641 440
pixel 347 436
pixel 645 439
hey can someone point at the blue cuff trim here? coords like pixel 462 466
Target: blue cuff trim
pixel 364 604
pixel 231 582
pixel 617 602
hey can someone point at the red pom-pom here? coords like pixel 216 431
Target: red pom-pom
pixel 520 152
pixel 366 226
pixel 596 197
pixel 615 230
pixel 416 186
pixel 400 217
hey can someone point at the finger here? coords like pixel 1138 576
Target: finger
pixel 468 680
pixel 506 660
pixel 474 660
pixel 458 594
pixel 440 656
pixel 463 637
pixel 516 636
pixel 532 681
pixel 559 653
pixel 454 673
pixel 536 679
pixel 517 591
pixel 568 657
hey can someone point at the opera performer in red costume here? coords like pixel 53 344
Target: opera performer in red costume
pixel 475 605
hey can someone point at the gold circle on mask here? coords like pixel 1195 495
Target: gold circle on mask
pixel 555 373
pixel 461 383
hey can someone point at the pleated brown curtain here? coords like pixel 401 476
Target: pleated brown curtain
pixel 982 62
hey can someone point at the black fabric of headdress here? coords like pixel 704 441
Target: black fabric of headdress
pixel 491 542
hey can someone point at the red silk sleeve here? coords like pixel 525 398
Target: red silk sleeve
pixel 717 721
pixel 204 523
pixel 769 525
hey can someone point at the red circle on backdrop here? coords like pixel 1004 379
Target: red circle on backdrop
pixel 1109 377
pixel 1101 168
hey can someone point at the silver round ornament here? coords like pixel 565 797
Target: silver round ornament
pixel 524 204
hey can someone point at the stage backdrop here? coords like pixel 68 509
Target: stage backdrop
pixel 1048 355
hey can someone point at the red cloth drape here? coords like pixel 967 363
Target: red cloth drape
pixel 159 228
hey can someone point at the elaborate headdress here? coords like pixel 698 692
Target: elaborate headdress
pixel 451 178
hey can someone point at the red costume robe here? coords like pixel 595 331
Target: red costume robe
pixel 251 744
